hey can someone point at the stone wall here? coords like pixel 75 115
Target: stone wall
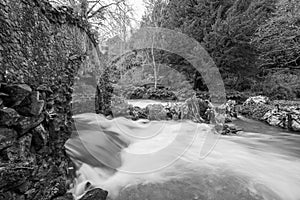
pixel 41 51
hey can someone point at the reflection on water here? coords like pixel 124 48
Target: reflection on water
pixel 259 164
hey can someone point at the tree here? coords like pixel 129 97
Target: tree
pixel 229 41
pixel 108 18
pixel 278 39
pixel 225 28
pixel 153 17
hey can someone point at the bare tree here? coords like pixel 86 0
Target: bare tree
pixel 153 17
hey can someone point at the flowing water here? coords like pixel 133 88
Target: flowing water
pixel 162 160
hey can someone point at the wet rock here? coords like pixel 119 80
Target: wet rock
pixel 230 130
pixel 27 123
pixel 17 93
pixel 156 112
pixel 14 175
pixel 8 117
pixel 257 100
pixel 67 196
pixel 7 137
pixel 55 188
pixel 195 109
pixel 31 105
pixel 96 194
pixel 40 137
pixel 137 113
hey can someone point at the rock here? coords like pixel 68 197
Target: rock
pixel 20 151
pixel 156 112
pixel 17 93
pixel 256 100
pixel 55 188
pixel 119 107
pixel 44 88
pixel 1 103
pixel 296 123
pixel 137 113
pixel 27 123
pixel 67 196
pixel 31 105
pixel 40 137
pixel 7 137
pixel 195 109
pixel 230 130
pixel 11 196
pixel 14 175
pixel 95 194
pixel 8 117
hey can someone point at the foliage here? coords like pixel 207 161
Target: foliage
pixel 280 85
pixel 225 28
pixel 278 39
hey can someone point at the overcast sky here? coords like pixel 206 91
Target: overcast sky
pixel 138 7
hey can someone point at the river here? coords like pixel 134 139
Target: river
pixel 162 160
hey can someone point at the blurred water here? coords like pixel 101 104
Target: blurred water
pixel 261 163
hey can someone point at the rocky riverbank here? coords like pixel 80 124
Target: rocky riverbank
pixel 33 163
pixel 284 114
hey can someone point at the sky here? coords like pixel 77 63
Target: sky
pixel 138 7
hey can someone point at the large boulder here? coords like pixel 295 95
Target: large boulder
pixel 16 94
pixel 27 123
pixel 156 112
pixel 95 194
pixel 31 105
pixel 14 175
pixel 40 137
pixel 256 107
pixel 195 109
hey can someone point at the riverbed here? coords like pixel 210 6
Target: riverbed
pixel 166 160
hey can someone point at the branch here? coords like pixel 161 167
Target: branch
pixel 91 9
pixel 104 7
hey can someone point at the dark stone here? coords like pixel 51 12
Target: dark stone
pixel 14 175
pixel 20 151
pixel 8 117
pixel 1 103
pixel 7 137
pixel 230 130
pixel 95 194
pixel 11 196
pixel 44 88
pixel 67 196
pixel 40 137
pixel 27 123
pixel 23 188
pixel 55 188
pixel 31 105
pixel 17 93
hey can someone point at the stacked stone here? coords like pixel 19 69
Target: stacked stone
pixel 27 121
